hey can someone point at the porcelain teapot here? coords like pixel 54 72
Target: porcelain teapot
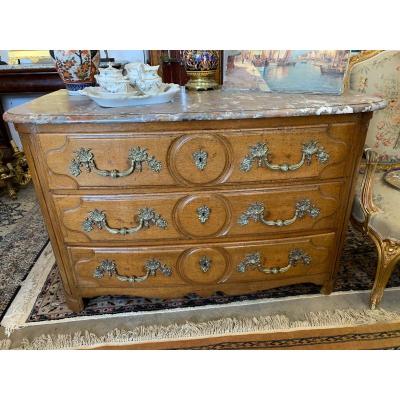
pixel 145 78
pixel 132 71
pixel 112 80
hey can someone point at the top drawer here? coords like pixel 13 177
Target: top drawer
pixel 196 158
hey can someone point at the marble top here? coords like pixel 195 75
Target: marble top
pixel 60 108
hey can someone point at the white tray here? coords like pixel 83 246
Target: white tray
pixel 107 99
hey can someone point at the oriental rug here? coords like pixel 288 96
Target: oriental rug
pixel 40 303
pixel 22 238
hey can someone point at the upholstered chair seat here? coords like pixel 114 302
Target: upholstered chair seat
pixel 386 221
pixel 376 207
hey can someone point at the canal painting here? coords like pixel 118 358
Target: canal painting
pixel 290 71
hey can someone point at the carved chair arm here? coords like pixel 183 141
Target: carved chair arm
pixel 367 204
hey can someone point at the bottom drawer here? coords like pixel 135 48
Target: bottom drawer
pixel 159 271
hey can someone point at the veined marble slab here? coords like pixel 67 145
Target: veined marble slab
pixel 60 108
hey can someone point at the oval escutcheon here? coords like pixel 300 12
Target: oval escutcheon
pixel 203 215
pixel 199 159
pixel 191 265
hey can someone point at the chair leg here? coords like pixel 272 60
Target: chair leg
pixel 387 260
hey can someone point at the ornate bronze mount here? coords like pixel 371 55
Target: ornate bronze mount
pixel 146 217
pixel 201 80
pixel 205 263
pixel 254 261
pixel 200 159
pixel 260 153
pixel 256 213
pixel 203 213
pixel 84 158
pixel 15 172
pixel 108 267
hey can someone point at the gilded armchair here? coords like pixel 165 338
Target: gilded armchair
pixel 376 207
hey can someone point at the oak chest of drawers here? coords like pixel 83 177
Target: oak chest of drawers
pixel 230 192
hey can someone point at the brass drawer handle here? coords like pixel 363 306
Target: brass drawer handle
pixel 200 158
pixel 109 267
pixel 256 213
pixel 146 218
pixel 254 261
pixel 205 263
pixel 261 154
pixel 84 158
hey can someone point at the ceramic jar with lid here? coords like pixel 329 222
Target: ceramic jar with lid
pixel 76 68
pixel 112 80
pixel 201 67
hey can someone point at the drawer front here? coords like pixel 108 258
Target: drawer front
pixel 197 158
pixel 202 265
pixel 201 215
pixel 292 153
pixel 106 160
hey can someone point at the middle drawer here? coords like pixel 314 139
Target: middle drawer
pixel 172 216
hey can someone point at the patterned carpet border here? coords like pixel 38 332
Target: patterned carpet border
pixel 23 236
pixel 304 341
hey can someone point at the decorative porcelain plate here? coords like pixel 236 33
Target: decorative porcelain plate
pixel 392 177
pixel 131 98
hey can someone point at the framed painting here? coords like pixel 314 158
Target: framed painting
pixel 288 71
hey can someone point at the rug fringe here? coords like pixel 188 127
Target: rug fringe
pixel 30 287
pixel 219 327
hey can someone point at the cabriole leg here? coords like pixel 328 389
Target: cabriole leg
pixel 383 272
